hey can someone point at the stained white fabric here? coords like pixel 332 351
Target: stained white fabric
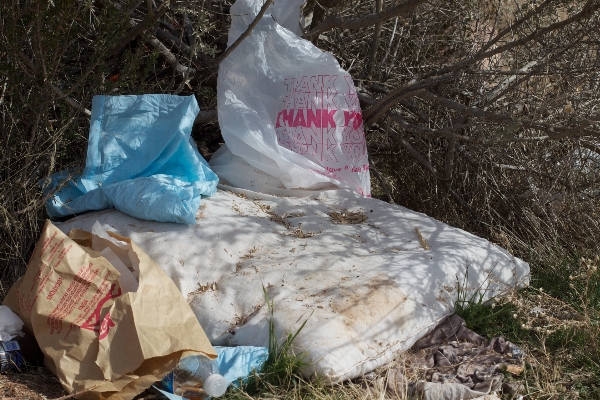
pixel 366 290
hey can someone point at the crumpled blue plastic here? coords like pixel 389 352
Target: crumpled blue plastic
pixel 140 160
pixel 235 365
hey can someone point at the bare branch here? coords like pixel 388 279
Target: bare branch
pixel 466 110
pixel 334 21
pixel 138 29
pixel 375 44
pixel 378 109
pixel 150 7
pixel 244 35
pixel 589 8
pixel 68 100
pixel 512 27
pixel 389 46
pixel 319 11
pixel 447 133
pixel 529 70
pixel 505 83
pixel 449 159
pixel 3 90
pixel 397 136
pixel 554 132
pixel 28 67
pixel 200 60
pixel 381 181
pixel 425 164
pixel 205 117
pixel 171 59
pixel 486 165
pixel 558 132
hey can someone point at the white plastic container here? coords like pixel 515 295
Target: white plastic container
pixel 195 377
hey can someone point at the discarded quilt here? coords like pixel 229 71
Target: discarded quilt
pixel 140 160
pixel 454 363
pixel 355 269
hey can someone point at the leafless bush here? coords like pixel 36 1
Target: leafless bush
pixel 485 114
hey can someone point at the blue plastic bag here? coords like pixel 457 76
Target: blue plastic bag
pixel 235 365
pixel 141 160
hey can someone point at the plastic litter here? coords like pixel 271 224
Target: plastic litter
pixel 10 324
pixel 10 356
pixel 286 107
pixel 15 345
pixel 195 377
pixel 235 364
pixel 141 160
pixel 19 352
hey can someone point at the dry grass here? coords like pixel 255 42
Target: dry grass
pixel 32 385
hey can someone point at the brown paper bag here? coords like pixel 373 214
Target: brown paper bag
pixel 94 334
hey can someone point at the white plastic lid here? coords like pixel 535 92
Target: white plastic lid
pixel 215 385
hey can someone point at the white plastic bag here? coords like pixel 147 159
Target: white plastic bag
pixel 287 108
pixel 10 324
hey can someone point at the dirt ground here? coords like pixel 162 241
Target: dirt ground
pixel 37 384
pixel 40 384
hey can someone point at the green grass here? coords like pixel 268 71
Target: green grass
pixel 282 367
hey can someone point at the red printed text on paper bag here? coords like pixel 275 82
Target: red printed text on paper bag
pixel 94 323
